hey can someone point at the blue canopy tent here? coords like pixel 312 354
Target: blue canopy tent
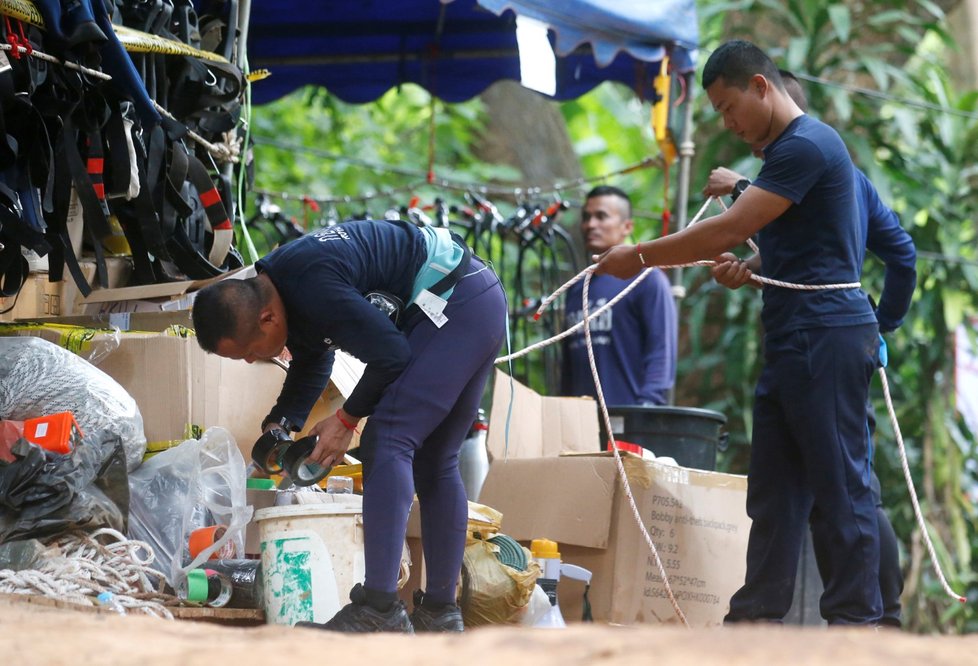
pixel 455 49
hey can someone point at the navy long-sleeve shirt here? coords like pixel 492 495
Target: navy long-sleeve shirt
pixel 634 343
pixel 322 279
pixel 892 244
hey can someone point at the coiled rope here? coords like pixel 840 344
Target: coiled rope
pixel 586 275
pixel 79 567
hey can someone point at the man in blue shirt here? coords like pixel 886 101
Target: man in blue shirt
pixel 891 243
pixel 634 342
pixel 809 441
pixel 421 388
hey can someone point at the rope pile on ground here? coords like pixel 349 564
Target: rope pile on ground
pixel 77 568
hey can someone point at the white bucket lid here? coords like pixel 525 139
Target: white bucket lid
pixel 327 508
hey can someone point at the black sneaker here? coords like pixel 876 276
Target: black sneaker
pixel 359 617
pixel 448 618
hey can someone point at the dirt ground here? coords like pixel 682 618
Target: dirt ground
pixel 50 636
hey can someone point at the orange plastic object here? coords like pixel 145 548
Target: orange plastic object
pixel 203 537
pixel 622 445
pixel 55 432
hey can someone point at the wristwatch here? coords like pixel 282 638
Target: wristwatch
pixel 739 188
pixel 283 422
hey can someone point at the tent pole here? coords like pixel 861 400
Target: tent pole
pixel 244 22
pixel 686 151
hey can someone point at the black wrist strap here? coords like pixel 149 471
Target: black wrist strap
pixel 283 422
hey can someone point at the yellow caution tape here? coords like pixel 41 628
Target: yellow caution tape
pixel 22 10
pixel 258 75
pixel 142 42
pixel 134 41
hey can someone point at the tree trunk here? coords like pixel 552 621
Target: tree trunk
pixel 526 131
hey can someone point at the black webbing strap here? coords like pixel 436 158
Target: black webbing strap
pixel 188 249
pixel 118 172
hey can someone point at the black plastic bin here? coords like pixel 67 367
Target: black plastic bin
pixel 689 435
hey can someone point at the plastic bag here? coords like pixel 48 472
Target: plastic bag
pixel 492 592
pixel 44 494
pixel 38 377
pixel 196 484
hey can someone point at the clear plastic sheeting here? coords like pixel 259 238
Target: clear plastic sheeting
pixel 193 485
pixel 38 377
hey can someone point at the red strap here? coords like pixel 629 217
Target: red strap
pixel 346 424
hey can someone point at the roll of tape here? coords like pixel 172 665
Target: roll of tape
pixel 300 470
pixel 269 450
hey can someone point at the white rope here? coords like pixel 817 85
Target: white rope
pixel 918 514
pixel 78 567
pixel 64 63
pixel 218 150
pixel 620 465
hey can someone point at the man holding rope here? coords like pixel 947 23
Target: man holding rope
pixel 891 243
pixel 809 440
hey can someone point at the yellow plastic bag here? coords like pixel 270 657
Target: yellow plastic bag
pixel 492 592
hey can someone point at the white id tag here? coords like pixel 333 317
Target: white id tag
pixel 433 307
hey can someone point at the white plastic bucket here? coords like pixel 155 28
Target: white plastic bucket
pixel 311 556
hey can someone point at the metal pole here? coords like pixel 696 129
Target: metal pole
pixel 686 152
pixel 244 22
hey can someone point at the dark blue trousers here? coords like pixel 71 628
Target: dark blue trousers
pixel 412 440
pixel 810 448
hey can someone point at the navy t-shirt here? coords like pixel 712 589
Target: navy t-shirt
pixel 819 239
pixel 634 342
pixel 322 279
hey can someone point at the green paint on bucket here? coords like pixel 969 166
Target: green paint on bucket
pixel 290 568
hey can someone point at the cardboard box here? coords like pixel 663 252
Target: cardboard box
pixel 176 384
pixel 166 296
pixel 538 425
pixel 696 519
pixel 40 298
pixel 126 321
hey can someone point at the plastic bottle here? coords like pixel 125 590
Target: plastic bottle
pixel 546 554
pixel 473 458
pixel 109 601
pixel 339 485
pixel 206 586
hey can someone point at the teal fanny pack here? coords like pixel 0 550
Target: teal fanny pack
pixel 448 258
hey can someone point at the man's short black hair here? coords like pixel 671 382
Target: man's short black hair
pixel 228 309
pixel 793 87
pixel 736 62
pixel 612 191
